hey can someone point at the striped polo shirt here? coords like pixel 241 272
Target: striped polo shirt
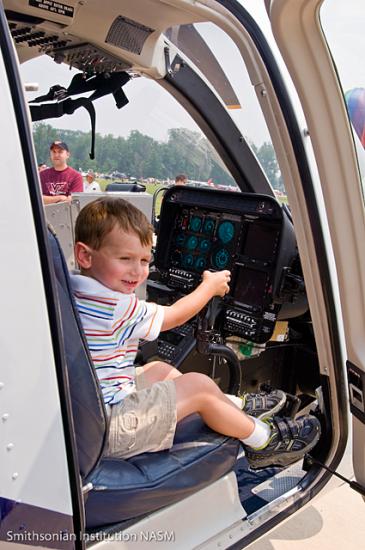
pixel 113 324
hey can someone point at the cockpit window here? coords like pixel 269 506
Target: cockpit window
pixel 221 63
pixel 153 112
pixel 152 137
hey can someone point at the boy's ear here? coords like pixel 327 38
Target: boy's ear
pixel 83 255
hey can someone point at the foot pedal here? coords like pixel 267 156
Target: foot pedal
pixel 291 407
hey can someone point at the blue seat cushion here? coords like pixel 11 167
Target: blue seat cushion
pixel 125 489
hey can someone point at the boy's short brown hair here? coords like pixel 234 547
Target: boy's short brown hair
pixel 99 217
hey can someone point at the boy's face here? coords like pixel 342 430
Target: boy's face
pixel 121 263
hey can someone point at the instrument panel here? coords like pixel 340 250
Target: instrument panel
pixel 248 234
pixel 203 239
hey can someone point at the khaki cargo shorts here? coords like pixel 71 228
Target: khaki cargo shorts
pixel 144 421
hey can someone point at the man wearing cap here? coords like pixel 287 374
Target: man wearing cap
pixel 61 180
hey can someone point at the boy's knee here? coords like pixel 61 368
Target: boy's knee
pixel 165 368
pixel 201 383
pixel 200 390
pixel 157 365
pixel 158 370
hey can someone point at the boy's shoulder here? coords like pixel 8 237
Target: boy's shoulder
pixel 90 293
pixel 89 287
pixel 99 304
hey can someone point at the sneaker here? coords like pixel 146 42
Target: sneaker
pixel 263 405
pixel 290 440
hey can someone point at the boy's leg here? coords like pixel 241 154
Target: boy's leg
pixel 197 393
pixel 279 441
pixel 158 371
pixel 260 405
pixel 274 441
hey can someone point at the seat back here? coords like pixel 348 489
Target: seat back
pixel 89 415
pixel 127 489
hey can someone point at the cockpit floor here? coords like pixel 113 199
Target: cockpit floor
pixel 258 487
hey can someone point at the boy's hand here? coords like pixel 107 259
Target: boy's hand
pixel 218 281
pixel 213 284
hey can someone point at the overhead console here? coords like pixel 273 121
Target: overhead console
pixel 248 234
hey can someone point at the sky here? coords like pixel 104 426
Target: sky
pixel 343 22
pixel 152 111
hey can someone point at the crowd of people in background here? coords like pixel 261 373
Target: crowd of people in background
pixel 59 181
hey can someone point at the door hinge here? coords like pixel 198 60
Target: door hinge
pixel 353 484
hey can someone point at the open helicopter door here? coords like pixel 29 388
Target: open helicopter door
pixel 38 494
pixel 301 33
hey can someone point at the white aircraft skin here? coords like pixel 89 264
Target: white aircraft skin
pixel 51 491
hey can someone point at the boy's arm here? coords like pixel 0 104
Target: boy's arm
pixel 213 284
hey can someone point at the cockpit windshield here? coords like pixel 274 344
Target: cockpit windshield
pixel 153 112
pixel 217 57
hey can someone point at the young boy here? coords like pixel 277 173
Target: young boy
pixel 113 250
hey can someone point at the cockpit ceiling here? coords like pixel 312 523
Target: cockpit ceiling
pixel 82 56
pixel 93 36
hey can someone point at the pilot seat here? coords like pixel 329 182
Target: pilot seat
pixel 126 489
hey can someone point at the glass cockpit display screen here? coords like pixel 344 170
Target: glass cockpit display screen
pixel 204 240
pixel 260 242
pixel 250 286
pixel 244 233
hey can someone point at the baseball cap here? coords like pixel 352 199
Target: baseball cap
pixel 60 144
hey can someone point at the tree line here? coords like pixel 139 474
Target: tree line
pixel 142 156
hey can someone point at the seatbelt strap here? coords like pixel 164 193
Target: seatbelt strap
pixel 101 84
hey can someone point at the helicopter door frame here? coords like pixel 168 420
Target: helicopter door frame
pixel 299 172
pixel 39 479
pixel 334 149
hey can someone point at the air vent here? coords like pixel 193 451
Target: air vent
pixel 128 35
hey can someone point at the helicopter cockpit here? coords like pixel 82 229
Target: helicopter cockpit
pixel 252 236
pixel 259 336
